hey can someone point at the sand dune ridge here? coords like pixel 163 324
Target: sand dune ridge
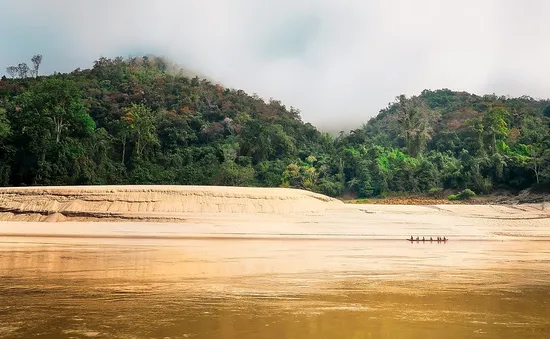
pixel 152 202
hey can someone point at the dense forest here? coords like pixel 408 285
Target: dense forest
pixel 138 121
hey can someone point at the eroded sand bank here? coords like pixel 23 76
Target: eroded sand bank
pixel 149 203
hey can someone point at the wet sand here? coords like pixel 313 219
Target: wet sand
pixel 336 272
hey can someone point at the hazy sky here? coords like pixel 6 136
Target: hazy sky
pixel 339 62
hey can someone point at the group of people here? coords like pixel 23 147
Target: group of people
pixel 439 239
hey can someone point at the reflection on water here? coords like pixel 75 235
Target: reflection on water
pixel 50 288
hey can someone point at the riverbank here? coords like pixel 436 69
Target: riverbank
pixel 527 196
pixel 152 212
pixel 231 212
pixel 152 203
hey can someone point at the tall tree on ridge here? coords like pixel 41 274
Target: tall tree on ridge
pixel 36 61
pixel 415 120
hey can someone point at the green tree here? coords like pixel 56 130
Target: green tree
pixel 231 174
pixel 56 105
pixel 415 120
pixel 300 176
pixel 141 123
pixel 473 136
pixel 539 157
pixel 262 141
pixel 5 129
pixel 5 132
pixel 495 127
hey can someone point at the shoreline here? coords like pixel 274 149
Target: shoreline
pixel 184 212
pixel 422 200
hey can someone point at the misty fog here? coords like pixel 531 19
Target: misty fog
pixel 339 62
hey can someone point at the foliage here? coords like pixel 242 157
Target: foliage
pixel 140 120
pixel 436 192
pixel 5 129
pixel 464 195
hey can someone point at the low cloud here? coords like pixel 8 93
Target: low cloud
pixel 339 62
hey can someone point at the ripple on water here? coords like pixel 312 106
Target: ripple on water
pixel 299 289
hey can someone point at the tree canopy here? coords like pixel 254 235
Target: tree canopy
pixel 136 121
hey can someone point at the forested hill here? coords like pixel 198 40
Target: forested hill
pixel 136 121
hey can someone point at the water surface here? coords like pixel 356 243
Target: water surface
pixel 278 288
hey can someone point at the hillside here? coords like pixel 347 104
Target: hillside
pixel 455 140
pixel 136 121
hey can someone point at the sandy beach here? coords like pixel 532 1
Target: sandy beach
pixel 194 211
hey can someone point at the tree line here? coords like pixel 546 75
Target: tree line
pixel 23 70
pixel 136 121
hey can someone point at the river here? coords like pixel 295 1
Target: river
pixel 273 288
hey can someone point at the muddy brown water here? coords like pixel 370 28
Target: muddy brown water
pixel 273 288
